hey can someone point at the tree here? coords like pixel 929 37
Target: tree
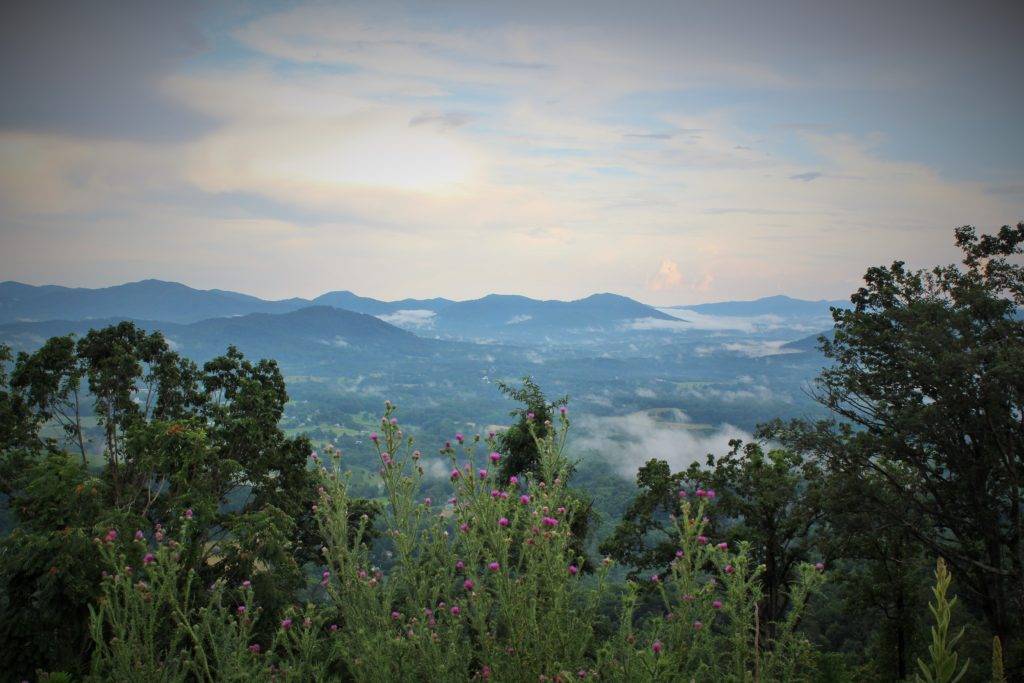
pixel 769 497
pixel 929 369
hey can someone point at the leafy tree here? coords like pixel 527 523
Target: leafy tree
pixel 534 417
pixel 929 368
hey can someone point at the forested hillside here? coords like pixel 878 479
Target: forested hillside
pixel 165 519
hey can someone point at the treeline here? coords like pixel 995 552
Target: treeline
pixel 207 545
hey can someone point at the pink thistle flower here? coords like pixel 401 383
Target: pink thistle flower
pixel 729 569
pixel 111 536
pixel 549 521
pixel 455 474
pixel 334 628
pixel 482 473
pixel 702 539
pixel 188 513
pixel 394 421
pixel 656 647
pixel 455 610
pixel 722 546
pixel 159 536
pixel 240 609
pixel 427 501
pixel 148 559
pixel 246 584
pixel 468 584
pixel 460 565
pixel 385 458
pixel 529 417
pixel 396 616
pixel 682 494
pixel 503 495
pixel 679 553
pixel 495 457
pixel 697 625
pixel 494 566
pixel 573 570
pixel 373 437
pixel 820 566
pixel 513 480
pixel 563 410
pixel 710 494
pixel 503 521
pixel 464 527
pixel 700 493
pixel 459 437
pixel 717 604
pixel 688 598
pixel 139 535
pixel 524 499
pixel 655 578
pixel 286 624
pixel 254 648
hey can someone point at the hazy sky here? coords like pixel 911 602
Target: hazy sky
pixel 674 152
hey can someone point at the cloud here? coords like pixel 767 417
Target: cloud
pixel 413 318
pixel 806 177
pixel 515 320
pixel 444 120
pixel 629 441
pixel 667 277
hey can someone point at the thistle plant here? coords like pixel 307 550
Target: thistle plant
pixel 484 586
pixel 942 667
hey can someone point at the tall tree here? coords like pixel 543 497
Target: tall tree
pixel 929 367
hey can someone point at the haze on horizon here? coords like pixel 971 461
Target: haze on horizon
pixel 672 152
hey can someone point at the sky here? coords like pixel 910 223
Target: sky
pixel 674 152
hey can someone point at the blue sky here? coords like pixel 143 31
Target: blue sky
pixel 673 152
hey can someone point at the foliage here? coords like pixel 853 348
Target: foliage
pixel 484 587
pixel 943 665
pixel 929 369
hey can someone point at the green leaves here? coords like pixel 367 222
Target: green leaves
pixel 942 667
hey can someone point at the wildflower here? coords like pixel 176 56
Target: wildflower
pixel 503 521
pixel 564 411
pixel 460 565
pixel 682 494
pixel 464 527
pixel 495 457
pixel 561 510
pixel 729 569
pixel 820 566
pixel 394 421
pixel 188 513
pixel 679 553
pixel 254 648
pixel 513 480
pixel 286 624
pixel 459 437
pixel 723 545
pixel 717 604
pixel 503 495
pixel 416 455
pixel 697 625
pixel 710 494
pixel 702 539
pixel 334 628
pixel 396 616
pixel 524 499
pixel 482 473
pixel 688 598
pixel 111 536
pixel 455 610
pixel 139 535
pixel 549 521
pixel 656 647
pixel 655 578
pixel 385 458
pixel 468 584
pixel 700 493
pixel 247 584
pixel 427 501
pixel 529 417
pixel 149 559
pixel 573 570
pixel 159 536
pixel 494 566
pixel 240 609
pixel 455 474
pixel 373 437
